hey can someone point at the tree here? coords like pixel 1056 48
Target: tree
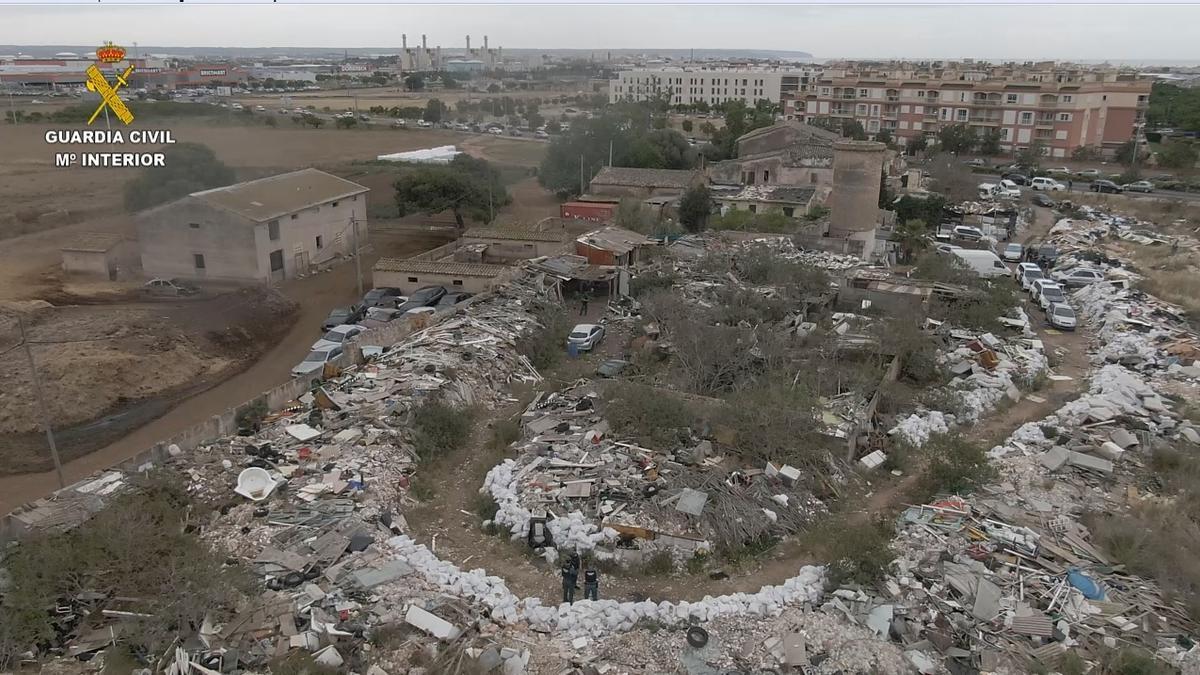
pixel 414 82
pixel 553 127
pixel 916 144
pixel 957 138
pixel 912 237
pixel 534 120
pixel 313 121
pixel 695 207
pixel 1178 155
pixel 990 143
pixel 687 126
pixel 708 129
pixel 466 185
pixel 1174 106
pixel 853 130
pixel 493 88
pixel 346 122
pixel 1125 153
pixel 1032 155
pixel 448 81
pixel 188 168
pixel 435 110
pixel 884 136
pixel 1085 153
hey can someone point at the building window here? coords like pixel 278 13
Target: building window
pixel 812 178
pixel 1026 118
pixel 920 94
pixel 198 260
pixel 412 280
pixel 273 230
pixel 294 216
pixel 1064 117
pixel 863 93
pixel 753 208
pixel 1066 99
pixel 1004 134
pixel 320 242
pixel 456 282
pixel 276 258
pixel 788 211
pixel 766 176
pixel 1010 98
pixel 354 198
pixel 194 226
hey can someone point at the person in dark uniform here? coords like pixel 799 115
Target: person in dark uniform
pixel 570 574
pixel 583 303
pixel 591 584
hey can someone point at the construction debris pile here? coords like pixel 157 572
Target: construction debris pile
pixel 985 369
pixel 576 487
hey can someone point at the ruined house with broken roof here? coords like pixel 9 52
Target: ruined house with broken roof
pixel 269 229
pixel 787 153
pixel 623 181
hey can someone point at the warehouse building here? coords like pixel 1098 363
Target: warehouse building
pixel 104 255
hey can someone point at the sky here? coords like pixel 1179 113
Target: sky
pixel 888 30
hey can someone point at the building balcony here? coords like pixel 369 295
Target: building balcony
pixel 893 98
pixel 985 102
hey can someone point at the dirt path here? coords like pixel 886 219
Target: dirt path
pixel 316 296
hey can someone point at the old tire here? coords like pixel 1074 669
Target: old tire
pixel 697 637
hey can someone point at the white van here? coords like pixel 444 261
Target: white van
pixel 984 263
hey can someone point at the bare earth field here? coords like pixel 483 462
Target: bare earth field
pixel 387 97
pixel 118 362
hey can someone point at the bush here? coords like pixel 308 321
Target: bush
pixel 505 433
pixel 659 564
pixel 655 418
pixel 857 553
pixel 652 280
pixel 953 465
pixel 109 554
pixel 439 429
pixel 545 346
pixel 773 422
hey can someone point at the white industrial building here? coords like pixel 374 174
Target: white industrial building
pixel 714 86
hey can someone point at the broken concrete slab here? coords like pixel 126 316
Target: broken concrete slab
pixel 1123 438
pixel 1089 462
pixel 691 501
pixel 1055 457
pixel 987 601
pixel 1110 451
pixel 431 623
pixel 390 571
pixel 880 619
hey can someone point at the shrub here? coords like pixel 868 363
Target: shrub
pixel 653 417
pixel 857 553
pixel 505 433
pixel 652 280
pixel 659 564
pixel 544 347
pixel 953 465
pixel 438 429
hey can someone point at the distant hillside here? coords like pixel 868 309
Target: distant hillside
pixel 46 51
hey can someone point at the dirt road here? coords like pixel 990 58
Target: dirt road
pixel 316 295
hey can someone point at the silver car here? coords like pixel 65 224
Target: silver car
pixel 1061 316
pixel 316 360
pixel 585 336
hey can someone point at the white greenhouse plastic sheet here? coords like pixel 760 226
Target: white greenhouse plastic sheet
pixel 439 155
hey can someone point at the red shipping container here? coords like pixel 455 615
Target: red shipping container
pixel 596 212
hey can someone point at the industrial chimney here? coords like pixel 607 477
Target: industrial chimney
pixel 423 43
pixel 468 44
pixel 485 43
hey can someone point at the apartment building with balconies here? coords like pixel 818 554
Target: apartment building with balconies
pixel 686 85
pixel 1061 106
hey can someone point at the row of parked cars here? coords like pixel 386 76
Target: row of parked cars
pixel 1049 291
pixel 378 307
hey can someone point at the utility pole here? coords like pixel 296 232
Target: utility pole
pixel 357 257
pixel 41 399
pixel 491 211
pixel 581 174
pixel 610 143
pixel 12 111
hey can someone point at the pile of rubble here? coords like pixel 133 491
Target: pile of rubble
pixel 576 487
pixel 985 370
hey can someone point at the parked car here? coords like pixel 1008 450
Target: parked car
pixel 1059 171
pixel 1044 200
pixel 1009 189
pixel 1089 173
pixel 1044 292
pixel 399 124
pixel 496 131
pixel 1047 184
pixel 451 299
pixel 1061 316
pixel 424 124
pixel 1028 277
pixel 540 134
pixel 385 296
pixel 1105 186
pixel 585 336
pixel 1016 178
pixel 946 248
pixel 343 315
pixel 967 232
pixel 316 360
pixel 427 295
pixel 975 162
pixel 337 335
pixel 259 108
pixel 420 310
pixel 169 287
pixel 1077 277
pixel 382 314
pixel 1138 186
pixel 1012 252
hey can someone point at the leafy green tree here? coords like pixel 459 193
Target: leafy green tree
pixel 415 82
pixel 687 126
pixel 853 130
pixel 314 121
pixel 346 122
pixel 189 167
pixel 1178 155
pixel 435 110
pixel 695 207
pixel 958 138
pixel 916 144
pixel 1125 153
pixel 448 81
pixel 1032 155
pixel 493 88
pixel 912 237
pixel 553 127
pixel 1174 106
pixel 990 143
pixel 884 136
pixel 466 186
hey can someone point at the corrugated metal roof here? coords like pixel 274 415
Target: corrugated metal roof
pixel 512 233
pixel 439 267
pixel 274 196
pixel 94 242
pixel 613 239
